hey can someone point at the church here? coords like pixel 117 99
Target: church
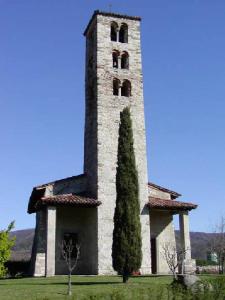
pixel 82 207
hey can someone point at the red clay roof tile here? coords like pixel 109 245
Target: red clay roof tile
pixel 158 203
pixel 64 199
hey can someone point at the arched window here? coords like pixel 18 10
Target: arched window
pixel 116 86
pixel 115 56
pixel 126 88
pixel 114 29
pixel 123 33
pixel 125 60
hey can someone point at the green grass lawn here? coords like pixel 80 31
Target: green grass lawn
pixel 82 286
pixel 103 287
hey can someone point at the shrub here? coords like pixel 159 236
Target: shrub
pixel 6 244
pixel 203 262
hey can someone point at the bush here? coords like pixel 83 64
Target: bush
pixel 6 243
pixel 203 262
pixel 203 290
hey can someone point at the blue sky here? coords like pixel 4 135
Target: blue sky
pixel 42 98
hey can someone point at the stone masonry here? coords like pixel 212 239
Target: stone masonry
pixel 37 267
pixel 102 123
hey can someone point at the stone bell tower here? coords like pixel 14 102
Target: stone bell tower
pixel 113 81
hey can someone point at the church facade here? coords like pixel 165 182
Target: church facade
pixel 82 207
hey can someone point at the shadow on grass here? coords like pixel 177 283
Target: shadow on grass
pixel 16 278
pixel 73 283
pixel 151 276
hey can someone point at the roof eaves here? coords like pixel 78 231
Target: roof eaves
pixel 77 200
pixel 164 204
pixel 34 197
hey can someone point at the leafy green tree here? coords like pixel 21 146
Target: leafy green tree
pixel 6 243
pixel 126 248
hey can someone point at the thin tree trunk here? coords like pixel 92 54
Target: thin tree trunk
pixel 69 284
pixel 175 276
pixel 182 267
pixel 125 278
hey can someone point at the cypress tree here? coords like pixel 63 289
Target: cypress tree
pixel 126 248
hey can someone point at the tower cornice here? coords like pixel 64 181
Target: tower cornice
pixel 109 14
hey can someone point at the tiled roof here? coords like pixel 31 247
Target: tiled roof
pixel 158 203
pixel 110 14
pixel 64 199
pixel 158 187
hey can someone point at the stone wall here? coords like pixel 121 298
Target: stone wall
pixel 91 122
pixel 162 229
pixel 154 192
pixel 83 222
pixel 75 184
pixel 39 245
pixel 102 123
pixel 50 240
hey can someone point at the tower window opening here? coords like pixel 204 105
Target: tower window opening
pixel 124 60
pixel 123 34
pixel 126 88
pixel 114 29
pixel 116 86
pixel 115 56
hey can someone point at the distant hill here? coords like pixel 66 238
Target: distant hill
pixel 24 238
pixel 23 245
pixel 200 242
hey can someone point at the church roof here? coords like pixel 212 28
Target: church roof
pixel 38 200
pixel 63 199
pixel 158 203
